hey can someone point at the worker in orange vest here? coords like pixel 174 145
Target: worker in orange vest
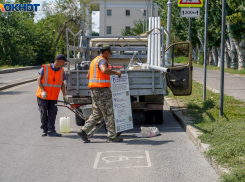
pixel 50 82
pixel 99 83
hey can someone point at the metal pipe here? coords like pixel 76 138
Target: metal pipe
pixel 67 49
pixel 159 42
pixel 155 42
pixel 149 44
pixel 205 50
pixel 111 36
pixel 222 58
pixel 189 34
pixel 169 22
pixel 163 48
pixel 162 69
pixel 152 41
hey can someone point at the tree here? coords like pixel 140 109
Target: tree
pixel 137 30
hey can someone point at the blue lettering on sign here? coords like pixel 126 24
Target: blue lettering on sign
pixel 120 120
pixel 116 94
pixel 20 7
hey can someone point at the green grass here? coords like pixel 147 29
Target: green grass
pixel 227 70
pixel 181 59
pixel 6 67
pixel 226 135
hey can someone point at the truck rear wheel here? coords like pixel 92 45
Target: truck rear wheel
pixel 154 117
pixel 79 121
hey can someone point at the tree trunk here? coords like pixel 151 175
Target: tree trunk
pixel 219 56
pixel 240 47
pixel 58 38
pixel 232 50
pixel 210 58
pixel 215 55
pixel 194 54
pixel 227 58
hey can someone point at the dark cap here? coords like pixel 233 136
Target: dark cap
pixel 106 47
pixel 62 57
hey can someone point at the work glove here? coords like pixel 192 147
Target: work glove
pixel 65 99
pixel 44 95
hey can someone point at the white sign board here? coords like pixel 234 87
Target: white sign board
pixel 121 103
pixel 190 12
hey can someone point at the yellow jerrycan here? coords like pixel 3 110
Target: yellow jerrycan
pixel 65 125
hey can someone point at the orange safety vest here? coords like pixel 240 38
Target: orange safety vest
pixel 52 82
pixel 96 77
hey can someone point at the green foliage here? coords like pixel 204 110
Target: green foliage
pixel 179 27
pixel 24 42
pixel 95 34
pixel 137 30
pixel 201 59
pixel 236 175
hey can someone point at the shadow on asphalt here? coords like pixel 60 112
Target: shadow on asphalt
pixel 13 92
pixel 127 140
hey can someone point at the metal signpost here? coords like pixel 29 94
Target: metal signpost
pixel 205 50
pixel 222 58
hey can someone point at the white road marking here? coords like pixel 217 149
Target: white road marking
pixel 148 158
pixel 97 160
pixel 115 159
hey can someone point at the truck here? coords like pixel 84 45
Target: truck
pixel 130 54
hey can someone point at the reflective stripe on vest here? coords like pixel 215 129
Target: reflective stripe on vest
pixel 95 73
pixel 45 84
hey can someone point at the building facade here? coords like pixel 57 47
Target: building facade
pixel 116 15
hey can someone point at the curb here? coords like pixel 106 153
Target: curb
pixel 192 132
pixel 10 70
pixel 18 83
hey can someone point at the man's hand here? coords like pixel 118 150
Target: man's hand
pixel 65 99
pixel 119 74
pixel 44 95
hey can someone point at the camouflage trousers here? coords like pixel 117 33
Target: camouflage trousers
pixel 102 108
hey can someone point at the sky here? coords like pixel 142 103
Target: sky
pixel 40 15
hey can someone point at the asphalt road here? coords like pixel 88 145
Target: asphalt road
pixel 234 85
pixel 26 156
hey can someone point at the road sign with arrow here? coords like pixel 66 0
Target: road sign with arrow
pixel 190 3
pixel 190 12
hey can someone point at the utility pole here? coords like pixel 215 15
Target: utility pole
pixel 222 59
pixel 105 18
pixel 169 22
pixel 152 8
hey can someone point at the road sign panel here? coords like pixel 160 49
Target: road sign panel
pixel 190 3
pixel 190 12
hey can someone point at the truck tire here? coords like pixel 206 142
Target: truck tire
pixel 79 121
pixel 154 117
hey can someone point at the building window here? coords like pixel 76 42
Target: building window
pixel 127 12
pixel 109 12
pixel 127 29
pixel 108 29
pixel 144 13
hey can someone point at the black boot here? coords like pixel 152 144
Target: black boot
pixel 83 136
